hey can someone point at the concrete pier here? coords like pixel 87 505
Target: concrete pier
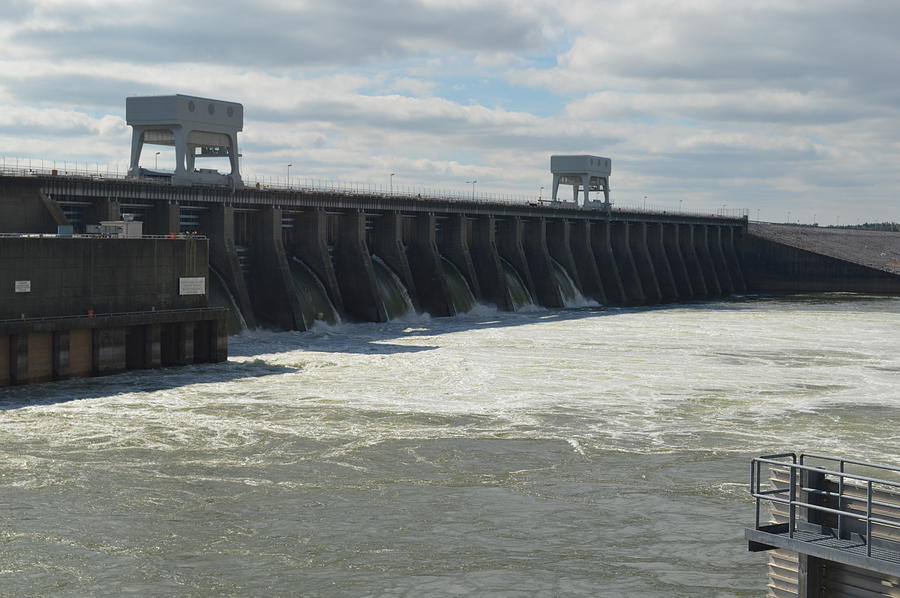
pixel 729 244
pixel 486 261
pixel 646 268
pixel 540 265
pixel 389 246
pixel 607 264
pixel 274 295
pixel 223 257
pixel 309 243
pixel 510 232
pixel 620 234
pixel 355 272
pixel 659 256
pixel 455 246
pixel 427 270
pixel 692 261
pixel 679 267
pixel 714 242
pixel 583 259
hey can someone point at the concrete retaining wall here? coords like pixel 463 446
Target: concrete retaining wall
pixel 69 276
pixel 770 266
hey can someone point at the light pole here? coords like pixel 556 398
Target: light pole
pixel 645 203
pixel 289 175
pixel 473 188
pixel 541 194
pixel 156 164
pixel 392 183
pixel 679 204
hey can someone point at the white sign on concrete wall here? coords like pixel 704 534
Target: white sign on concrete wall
pixel 23 286
pixel 192 286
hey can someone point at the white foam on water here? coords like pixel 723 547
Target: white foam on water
pixel 718 377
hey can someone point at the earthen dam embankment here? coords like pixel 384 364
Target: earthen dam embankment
pixel 787 258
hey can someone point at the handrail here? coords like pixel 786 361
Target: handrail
pixel 822 470
pixel 95 172
pixel 111 314
pixel 169 236
pixel 796 483
pixel 850 497
pixel 849 461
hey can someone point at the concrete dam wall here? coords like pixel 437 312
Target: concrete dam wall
pixel 286 259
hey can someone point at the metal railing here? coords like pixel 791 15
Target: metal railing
pixel 91 314
pixel 168 236
pixel 95 171
pixel 799 487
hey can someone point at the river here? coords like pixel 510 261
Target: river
pixel 582 452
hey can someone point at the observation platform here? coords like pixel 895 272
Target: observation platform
pixel 836 518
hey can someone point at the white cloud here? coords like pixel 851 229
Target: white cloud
pixel 416 87
pixel 762 103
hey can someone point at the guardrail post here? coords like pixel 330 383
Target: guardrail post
pixel 869 518
pixel 792 510
pixel 755 486
pixel 840 525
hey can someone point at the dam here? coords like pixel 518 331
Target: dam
pixel 287 258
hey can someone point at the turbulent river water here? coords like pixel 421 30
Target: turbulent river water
pixel 581 452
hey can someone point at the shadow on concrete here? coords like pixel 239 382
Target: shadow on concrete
pixel 134 381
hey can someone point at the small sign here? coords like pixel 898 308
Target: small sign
pixel 192 286
pixel 23 286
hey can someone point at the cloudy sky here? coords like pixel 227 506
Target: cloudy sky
pixel 778 106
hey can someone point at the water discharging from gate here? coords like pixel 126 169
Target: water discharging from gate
pixel 572 297
pixel 314 300
pixel 518 292
pixel 391 290
pixel 220 296
pixel 460 293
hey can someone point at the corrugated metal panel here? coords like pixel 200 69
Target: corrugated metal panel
pixel 839 581
pixel 842 581
pixel 783 564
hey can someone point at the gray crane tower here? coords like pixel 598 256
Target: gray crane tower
pixel 588 173
pixel 196 127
